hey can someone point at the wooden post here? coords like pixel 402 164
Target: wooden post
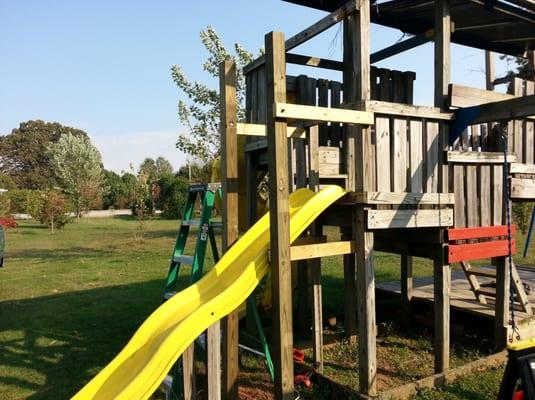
pixel 442 283
pixel 279 218
pixel 406 289
pixel 501 321
pixel 229 175
pixel 188 369
pixel 441 270
pixel 350 304
pixel 360 178
pixel 366 307
pixel 442 51
pixel 489 70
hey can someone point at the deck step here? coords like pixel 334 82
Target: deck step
pixel 182 259
pixel 487 272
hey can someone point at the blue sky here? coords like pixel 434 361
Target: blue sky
pixel 104 66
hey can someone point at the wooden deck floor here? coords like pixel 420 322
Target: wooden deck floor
pixel 462 298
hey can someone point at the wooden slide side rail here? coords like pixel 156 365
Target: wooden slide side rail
pixel 458 252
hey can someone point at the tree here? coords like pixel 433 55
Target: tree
pixel 53 210
pixel 200 114
pixel 155 169
pixel 22 155
pixel 172 195
pixel 163 167
pixel 78 166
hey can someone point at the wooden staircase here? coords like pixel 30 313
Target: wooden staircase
pixel 485 290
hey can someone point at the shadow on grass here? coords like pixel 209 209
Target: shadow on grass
pixel 66 339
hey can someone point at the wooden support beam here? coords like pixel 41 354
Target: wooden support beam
pixel 465 96
pixel 442 285
pixel 474 157
pixel 394 219
pixel 402 46
pixel 489 70
pixel 188 370
pixel 323 114
pixel 315 29
pixel 387 198
pixel 519 168
pixel 520 107
pixel 309 61
pixel 319 250
pixel 406 289
pixel 213 361
pixel 403 110
pixel 350 287
pixel 279 218
pixel 366 307
pixel 442 51
pixel 229 175
pixel 502 313
pixel 522 189
pixel 260 130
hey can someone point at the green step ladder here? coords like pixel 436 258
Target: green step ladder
pixel 207 193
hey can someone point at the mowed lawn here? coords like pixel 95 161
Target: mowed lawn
pixel 70 300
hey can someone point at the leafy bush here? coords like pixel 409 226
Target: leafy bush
pixel 172 196
pixel 8 222
pixel 54 210
pixel 25 201
pixel 522 215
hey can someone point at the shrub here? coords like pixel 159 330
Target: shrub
pixel 54 210
pixel 25 201
pixel 521 215
pixel 172 195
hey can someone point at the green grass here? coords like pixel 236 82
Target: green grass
pixel 71 300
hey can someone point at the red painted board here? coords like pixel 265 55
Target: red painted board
pixel 477 251
pixel 479 232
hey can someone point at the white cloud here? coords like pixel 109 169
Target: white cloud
pixel 120 150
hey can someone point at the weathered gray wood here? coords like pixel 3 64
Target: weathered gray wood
pixel 484 195
pixel 279 218
pixel 521 107
pixel 529 131
pixel 388 198
pixel 229 175
pixel 366 306
pixel 473 282
pixel 213 363
pixel 188 370
pixel 497 195
pixel 416 164
pixel 397 219
pixel 431 157
pixel 489 70
pixel 406 289
pixel 442 51
pixel 402 110
pixel 400 47
pixel 398 156
pixel 501 321
pixel 474 157
pixel 382 140
pixel 350 304
pixel 472 213
pixel 442 285
pixel 459 192
pixel 309 61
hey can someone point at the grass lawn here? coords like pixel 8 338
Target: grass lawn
pixel 69 301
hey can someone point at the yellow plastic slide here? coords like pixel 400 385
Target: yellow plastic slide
pixel 138 370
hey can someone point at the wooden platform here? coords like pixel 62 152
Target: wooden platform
pixel 462 298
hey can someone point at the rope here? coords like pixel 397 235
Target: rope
pixel 509 240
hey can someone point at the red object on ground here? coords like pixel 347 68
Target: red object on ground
pixel 519 395
pixel 303 380
pixel 299 356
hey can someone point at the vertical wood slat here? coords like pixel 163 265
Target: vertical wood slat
pixel 431 157
pixel 416 164
pixel 497 195
pixel 382 132
pixel 459 194
pixel 385 90
pixel 484 195
pixel 408 87
pixel 399 155
pixel 518 124
pixel 397 87
pixel 229 174
pixel 323 101
pixel 472 214
pixel 279 218
pixel 336 129
pixel 374 83
pixel 529 131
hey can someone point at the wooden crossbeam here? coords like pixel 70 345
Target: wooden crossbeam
pixel 519 168
pixel 404 110
pixel 260 130
pixel 478 157
pixel 313 30
pixel 402 46
pixel 477 251
pixel 322 114
pixel 318 250
pixel 310 61
pixel 522 189
pixel 519 107
pixel 393 219
pixel 397 198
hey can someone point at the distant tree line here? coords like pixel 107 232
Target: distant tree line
pixel 51 170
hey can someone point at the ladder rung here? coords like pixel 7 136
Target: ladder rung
pixel 168 295
pixel 491 292
pixel 197 222
pixel 182 259
pixel 490 273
